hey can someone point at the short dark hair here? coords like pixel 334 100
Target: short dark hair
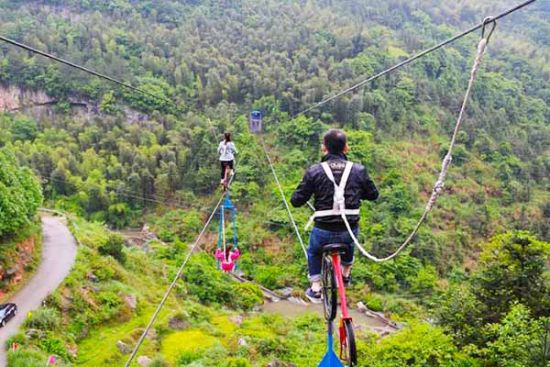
pixel 335 141
pixel 227 137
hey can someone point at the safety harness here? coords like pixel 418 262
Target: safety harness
pixel 339 201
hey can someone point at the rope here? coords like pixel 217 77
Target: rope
pixel 174 281
pixel 82 68
pixel 415 57
pixel 438 186
pixel 284 198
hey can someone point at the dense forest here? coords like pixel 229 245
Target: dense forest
pixel 477 271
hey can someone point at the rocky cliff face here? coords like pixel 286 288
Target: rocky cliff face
pixel 13 98
pixel 40 105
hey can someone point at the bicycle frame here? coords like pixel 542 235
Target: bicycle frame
pixel 335 257
pixel 347 347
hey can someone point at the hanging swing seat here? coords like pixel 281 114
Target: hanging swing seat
pixel 227 255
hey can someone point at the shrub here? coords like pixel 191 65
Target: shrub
pixel 424 282
pixel 26 358
pixel 188 356
pixel 44 319
pixel 247 295
pixel 114 247
pixel 375 302
pixel 419 345
pixel 53 345
pixel 269 276
pixel 206 282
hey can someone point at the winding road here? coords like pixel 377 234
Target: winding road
pixel 58 256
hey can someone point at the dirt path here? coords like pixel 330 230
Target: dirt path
pixel 58 255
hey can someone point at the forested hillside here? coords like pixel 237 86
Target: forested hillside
pixel 478 269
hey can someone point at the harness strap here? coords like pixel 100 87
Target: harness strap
pixel 339 200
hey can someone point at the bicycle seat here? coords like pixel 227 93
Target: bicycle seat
pixel 335 247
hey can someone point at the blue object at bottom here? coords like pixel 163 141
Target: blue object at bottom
pixel 330 359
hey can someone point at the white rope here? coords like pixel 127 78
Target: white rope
pixel 174 281
pixel 284 199
pixel 438 186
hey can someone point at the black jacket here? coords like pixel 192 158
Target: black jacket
pixel 315 182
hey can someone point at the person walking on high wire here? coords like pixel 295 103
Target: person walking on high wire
pixel 227 151
pixel 321 180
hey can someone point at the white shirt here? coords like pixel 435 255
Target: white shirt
pixel 227 151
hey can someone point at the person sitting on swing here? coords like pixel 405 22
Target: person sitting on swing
pixel 330 227
pixel 227 151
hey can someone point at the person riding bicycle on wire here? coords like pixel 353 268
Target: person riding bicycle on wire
pixel 329 226
pixel 227 151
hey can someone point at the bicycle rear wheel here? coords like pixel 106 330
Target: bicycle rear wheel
pixel 330 290
pixel 348 349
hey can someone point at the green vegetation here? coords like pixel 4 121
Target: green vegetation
pixel 478 269
pixel 12 253
pixel 501 312
pixel 20 195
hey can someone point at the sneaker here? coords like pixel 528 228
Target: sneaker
pixel 314 297
pixel 347 280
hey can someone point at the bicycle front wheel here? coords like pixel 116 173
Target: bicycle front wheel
pixel 330 290
pixel 348 349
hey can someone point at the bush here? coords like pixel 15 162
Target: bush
pixel 424 282
pixel 270 276
pixel 419 345
pixel 114 247
pixel 188 356
pixel 44 318
pixel 206 282
pixel 247 295
pixel 26 358
pixel 53 345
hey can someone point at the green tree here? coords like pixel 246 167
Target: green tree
pixel 512 268
pixel 20 194
pixel 23 128
pixel 519 340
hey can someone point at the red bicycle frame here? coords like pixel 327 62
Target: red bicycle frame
pixel 335 256
pixel 340 284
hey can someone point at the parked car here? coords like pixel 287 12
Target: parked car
pixel 7 311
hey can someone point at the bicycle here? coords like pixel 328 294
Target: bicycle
pixel 333 286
